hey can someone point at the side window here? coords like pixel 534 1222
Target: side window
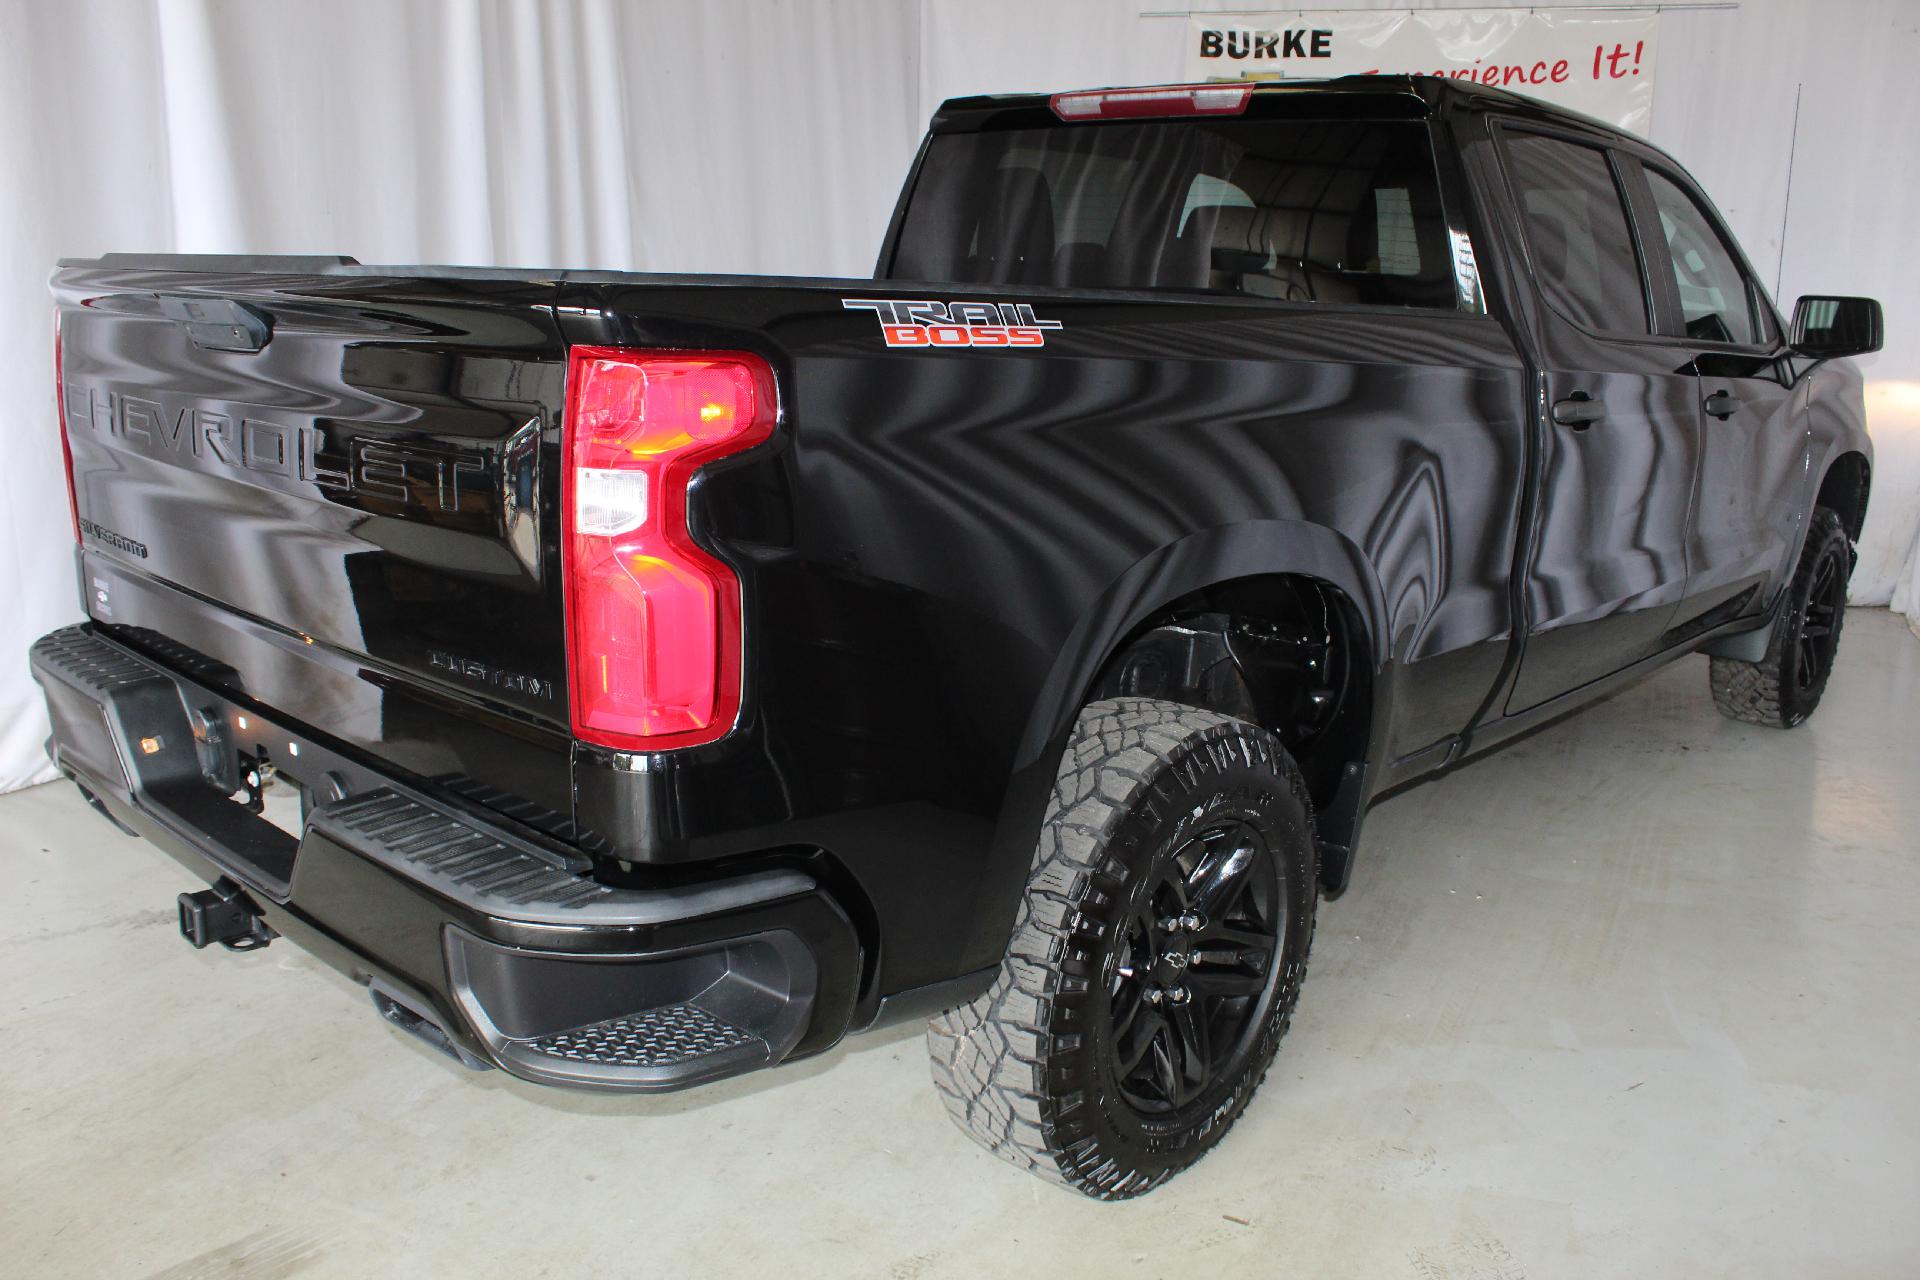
pixel 1716 299
pixel 1577 233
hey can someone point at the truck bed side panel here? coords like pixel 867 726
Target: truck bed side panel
pixel 936 533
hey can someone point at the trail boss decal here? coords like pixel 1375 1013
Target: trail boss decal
pixel 905 322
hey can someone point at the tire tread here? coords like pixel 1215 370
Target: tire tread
pixel 990 1058
pixel 1756 692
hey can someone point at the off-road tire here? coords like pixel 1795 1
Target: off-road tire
pixel 1779 691
pixel 1029 1069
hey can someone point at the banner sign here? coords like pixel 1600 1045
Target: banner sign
pixel 1588 60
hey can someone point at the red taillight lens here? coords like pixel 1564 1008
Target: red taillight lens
pixel 1160 100
pixel 60 408
pixel 653 621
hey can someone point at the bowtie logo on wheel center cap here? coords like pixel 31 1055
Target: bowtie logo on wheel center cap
pixel 1172 964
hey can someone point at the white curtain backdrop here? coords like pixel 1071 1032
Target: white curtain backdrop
pixel 728 135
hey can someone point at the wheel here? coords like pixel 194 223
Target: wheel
pixel 1784 687
pixel 1155 960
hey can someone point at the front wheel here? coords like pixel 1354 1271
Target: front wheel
pixel 1156 958
pixel 1784 687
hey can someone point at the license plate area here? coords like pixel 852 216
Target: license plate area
pixel 249 802
pixel 233 783
pixel 180 753
pixel 285 807
pixel 268 792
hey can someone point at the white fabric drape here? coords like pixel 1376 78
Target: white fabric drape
pixel 742 136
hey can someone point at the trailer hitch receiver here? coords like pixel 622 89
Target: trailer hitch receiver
pixel 222 914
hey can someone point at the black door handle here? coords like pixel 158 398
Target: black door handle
pixel 1721 404
pixel 1579 411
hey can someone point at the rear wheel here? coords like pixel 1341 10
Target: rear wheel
pixel 1156 959
pixel 1784 687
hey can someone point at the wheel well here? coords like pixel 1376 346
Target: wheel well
pixel 1286 651
pixel 1844 490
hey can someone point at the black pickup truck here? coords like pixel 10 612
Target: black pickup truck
pixel 676 674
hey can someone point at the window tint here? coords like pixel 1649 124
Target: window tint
pixel 1715 298
pixel 1310 211
pixel 1577 236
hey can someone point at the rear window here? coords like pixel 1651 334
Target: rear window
pixel 1305 211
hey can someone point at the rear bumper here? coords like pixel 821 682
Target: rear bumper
pixel 487 940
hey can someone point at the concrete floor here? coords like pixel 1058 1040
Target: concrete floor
pixel 1636 997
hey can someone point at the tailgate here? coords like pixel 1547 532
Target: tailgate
pixel 322 490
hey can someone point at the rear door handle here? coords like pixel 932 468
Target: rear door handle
pixel 1579 411
pixel 1721 404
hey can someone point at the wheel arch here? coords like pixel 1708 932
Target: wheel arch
pixel 1202 561
pixel 1138 600
pixel 1286 651
pixel 1844 488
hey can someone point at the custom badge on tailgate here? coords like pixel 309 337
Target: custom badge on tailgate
pixel 908 322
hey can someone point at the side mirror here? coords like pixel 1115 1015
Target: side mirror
pixel 1828 327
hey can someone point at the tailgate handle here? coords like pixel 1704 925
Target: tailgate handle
pixel 218 324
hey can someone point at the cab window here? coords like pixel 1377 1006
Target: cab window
pixel 1329 211
pixel 1578 237
pixel 1718 303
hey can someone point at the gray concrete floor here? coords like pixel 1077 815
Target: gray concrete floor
pixel 1635 997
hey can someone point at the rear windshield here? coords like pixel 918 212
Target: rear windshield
pixel 1307 211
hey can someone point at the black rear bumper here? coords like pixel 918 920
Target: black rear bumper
pixel 490 941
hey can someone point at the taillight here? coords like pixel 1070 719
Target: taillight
pixel 653 620
pixel 60 408
pixel 1160 100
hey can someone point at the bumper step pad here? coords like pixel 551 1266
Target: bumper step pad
pixel 476 866
pixel 679 1035
pixel 652 1021
pixel 503 875
pixel 87 662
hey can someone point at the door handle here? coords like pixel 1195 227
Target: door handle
pixel 1721 405
pixel 1579 411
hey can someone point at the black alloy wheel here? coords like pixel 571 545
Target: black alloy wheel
pixel 1819 637
pixel 1782 688
pixel 1198 955
pixel 1156 958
